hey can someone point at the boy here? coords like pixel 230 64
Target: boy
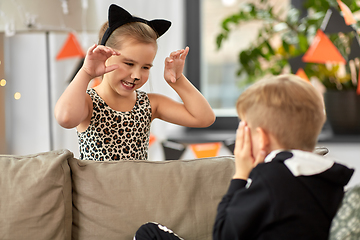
pixel 280 189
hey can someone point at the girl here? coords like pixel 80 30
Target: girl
pixel 113 119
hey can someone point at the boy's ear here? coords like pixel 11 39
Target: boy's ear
pixel 264 138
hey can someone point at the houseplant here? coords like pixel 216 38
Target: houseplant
pixel 285 35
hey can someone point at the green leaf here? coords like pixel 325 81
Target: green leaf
pixel 303 43
pixel 286 46
pixel 219 40
pixel 243 58
pixel 271 50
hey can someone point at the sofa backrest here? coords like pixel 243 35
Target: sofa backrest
pixel 53 196
pixel 113 199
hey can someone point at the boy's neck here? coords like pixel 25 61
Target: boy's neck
pixel 273 144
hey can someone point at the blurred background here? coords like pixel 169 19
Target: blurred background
pixel 34 33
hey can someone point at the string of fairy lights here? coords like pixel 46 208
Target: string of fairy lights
pixel 17 95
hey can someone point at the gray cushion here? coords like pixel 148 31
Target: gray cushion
pixel 35 196
pixel 113 199
pixel 346 223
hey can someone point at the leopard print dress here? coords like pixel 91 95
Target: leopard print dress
pixel 114 135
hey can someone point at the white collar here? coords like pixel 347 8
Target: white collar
pixel 303 163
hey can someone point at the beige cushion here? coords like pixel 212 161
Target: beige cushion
pixel 35 196
pixel 113 199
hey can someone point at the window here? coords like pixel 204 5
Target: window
pixel 213 71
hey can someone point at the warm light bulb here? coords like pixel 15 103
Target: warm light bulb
pixel 17 95
pixel 2 83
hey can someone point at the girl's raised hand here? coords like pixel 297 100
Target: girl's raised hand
pixel 96 56
pixel 174 65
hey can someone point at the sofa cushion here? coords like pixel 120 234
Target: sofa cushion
pixel 113 199
pixel 35 196
pixel 346 223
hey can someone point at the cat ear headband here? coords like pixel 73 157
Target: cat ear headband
pixel 119 16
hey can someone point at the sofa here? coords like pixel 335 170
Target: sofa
pixel 52 195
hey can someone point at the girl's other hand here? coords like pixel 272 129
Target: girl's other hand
pixel 96 56
pixel 174 65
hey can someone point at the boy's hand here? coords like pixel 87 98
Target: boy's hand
pixel 174 65
pixel 244 159
pixel 96 56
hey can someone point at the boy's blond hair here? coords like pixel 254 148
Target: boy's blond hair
pixel 286 106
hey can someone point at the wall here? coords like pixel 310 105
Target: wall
pixel 30 125
pixel 42 15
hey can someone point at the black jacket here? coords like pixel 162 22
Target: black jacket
pixel 292 196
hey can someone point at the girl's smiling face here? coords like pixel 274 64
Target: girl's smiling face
pixel 134 64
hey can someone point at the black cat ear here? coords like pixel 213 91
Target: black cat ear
pixel 118 16
pixel 160 26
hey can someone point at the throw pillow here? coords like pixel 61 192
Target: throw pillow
pixel 346 223
pixel 35 196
